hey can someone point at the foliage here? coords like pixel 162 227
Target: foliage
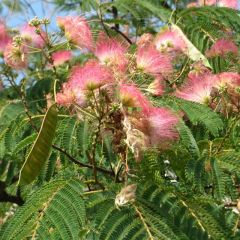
pixel 91 159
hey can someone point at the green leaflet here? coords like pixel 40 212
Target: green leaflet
pixel 41 148
pixel 55 211
pixel 204 25
pixel 161 12
pixel 10 111
pixel 198 113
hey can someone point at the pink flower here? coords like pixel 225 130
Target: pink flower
pixel 111 52
pixel 198 88
pixel 226 79
pixel 61 57
pixel 222 47
pixel 145 40
pixel 67 96
pixel 15 56
pixel 169 40
pixel 220 3
pixel 192 4
pixel 131 96
pixel 207 2
pixel 71 94
pixel 31 37
pixel 162 126
pixel 199 70
pixel 228 3
pixel 77 30
pixel 156 128
pixel 82 80
pixel 156 88
pixel 90 76
pixel 153 62
pixel 4 37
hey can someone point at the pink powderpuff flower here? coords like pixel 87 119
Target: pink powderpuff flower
pixel 61 57
pixel 5 39
pixel 145 40
pixel 70 95
pixel 156 128
pixel 220 3
pixel 90 76
pixel 227 79
pixel 192 4
pixel 131 96
pixel 198 70
pixel 83 79
pixel 77 30
pixel 228 3
pixel 198 88
pixel 16 56
pixel 111 52
pixel 221 48
pixel 153 62
pixel 162 126
pixel 169 40
pixel 156 88
pixel 66 97
pixel 207 2
pixel 31 37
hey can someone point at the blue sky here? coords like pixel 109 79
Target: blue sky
pixel 39 8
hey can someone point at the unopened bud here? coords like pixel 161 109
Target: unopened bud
pixel 37 31
pixel 35 22
pixel 17 41
pixel 46 21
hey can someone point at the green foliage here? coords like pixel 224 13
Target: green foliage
pixel 55 211
pixel 203 26
pixel 196 113
pixel 187 191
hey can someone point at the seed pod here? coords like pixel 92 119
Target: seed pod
pixel 127 194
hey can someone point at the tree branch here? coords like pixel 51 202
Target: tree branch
pixel 122 34
pixel 74 160
pixel 6 197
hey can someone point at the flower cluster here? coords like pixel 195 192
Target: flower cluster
pixel 111 76
pixel 212 89
pixel 5 39
pixel 220 3
pixel 222 47
pixel 115 81
pixel 115 74
pixel 76 30
pixel 30 39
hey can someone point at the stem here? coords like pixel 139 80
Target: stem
pixel 144 223
pixel 94 145
pixel 224 138
pixel 74 160
pixel 123 35
pixel 5 197
pixel 25 105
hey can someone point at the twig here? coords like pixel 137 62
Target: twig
pixel 6 197
pixel 122 34
pixel 103 170
pixel 144 223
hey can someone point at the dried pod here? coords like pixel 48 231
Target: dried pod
pixel 238 205
pixel 126 195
